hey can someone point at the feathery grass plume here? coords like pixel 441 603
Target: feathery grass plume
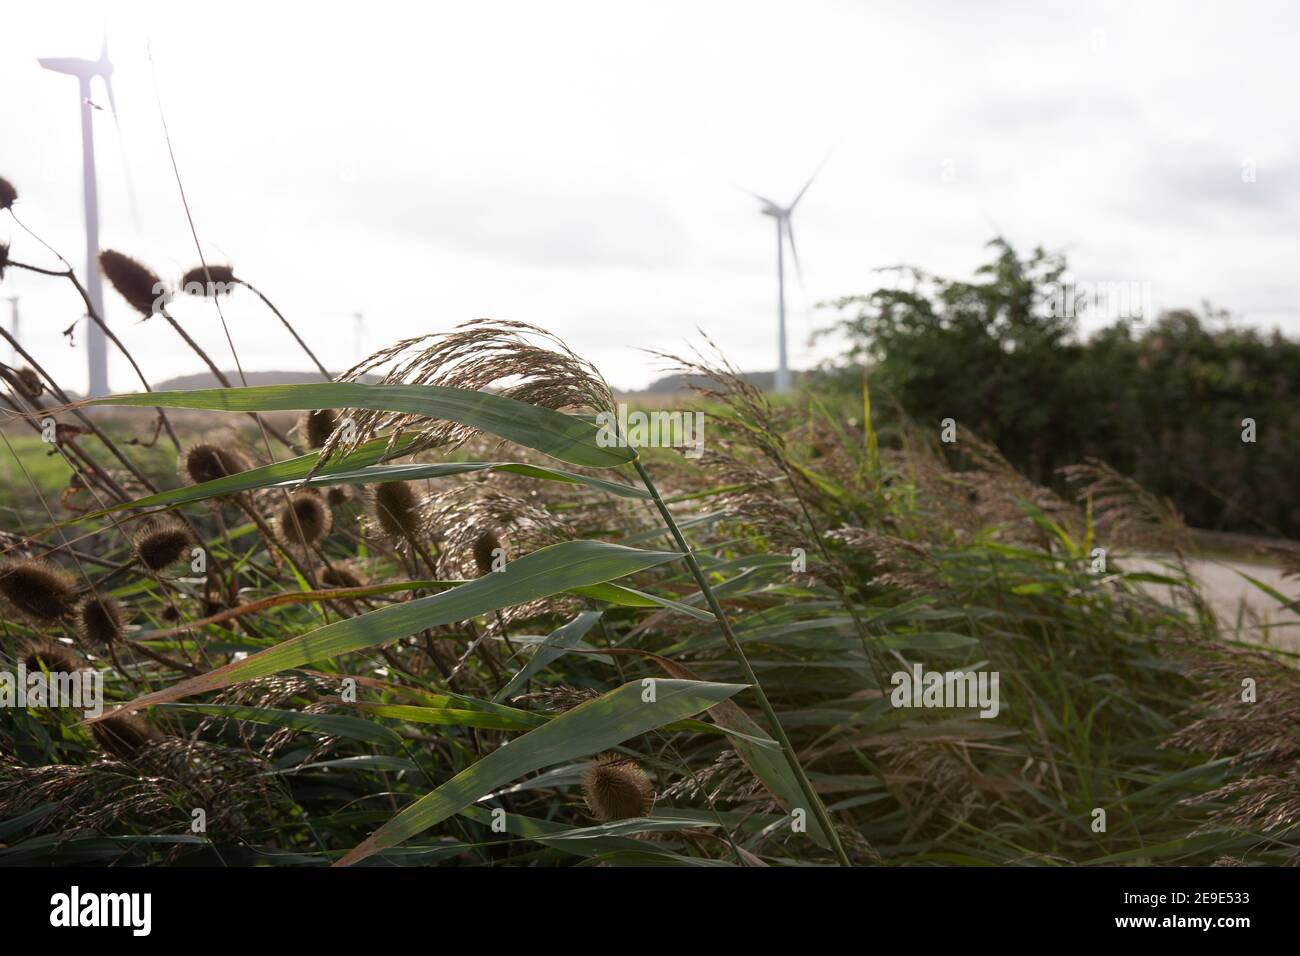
pixel 477 355
pixel 396 509
pixel 318 426
pixel 303 516
pixel 124 736
pixel 1125 511
pixel 616 788
pixel 162 542
pixel 486 546
pixel 38 653
pixel 101 620
pixel 37 587
pixel 8 194
pixel 207 461
pixel 30 383
pixel 141 288
pixel 213 281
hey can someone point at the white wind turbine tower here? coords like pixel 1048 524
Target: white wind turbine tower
pixel 85 71
pixel 784 231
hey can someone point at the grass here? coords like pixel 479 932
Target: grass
pixel 730 624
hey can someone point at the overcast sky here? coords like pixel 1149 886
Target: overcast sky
pixel 581 166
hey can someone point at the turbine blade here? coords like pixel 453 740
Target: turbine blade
pixel 816 173
pixel 112 103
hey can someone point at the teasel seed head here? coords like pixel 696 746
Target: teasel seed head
pixel 141 288
pixel 313 518
pixel 485 548
pixel 341 576
pixel 397 509
pixel 8 194
pixel 212 281
pixel 208 462
pixel 36 653
pixel 162 542
pixel 101 620
pixel 30 383
pixel 124 736
pixel 38 588
pixel 318 426
pixel 616 788
pixel 336 496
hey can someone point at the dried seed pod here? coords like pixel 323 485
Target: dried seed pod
pixel 318 426
pixel 208 462
pixel 37 587
pixel 30 383
pixel 162 542
pixel 124 736
pixel 303 517
pixel 42 653
pixel 213 280
pixel 336 496
pixel 616 788
pixel 486 548
pixel 141 288
pixel 8 194
pixel 397 509
pixel 101 620
pixel 341 576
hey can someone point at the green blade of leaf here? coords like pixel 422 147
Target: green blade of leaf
pixel 586 729
pixel 540 574
pixel 566 437
pixel 335 725
pixel 556 643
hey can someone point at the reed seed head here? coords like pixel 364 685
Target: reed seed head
pixel 208 462
pixel 8 194
pixel 162 543
pixel 318 426
pixel 616 788
pixel 486 546
pixel 397 509
pixel 42 653
pixel 37 587
pixel 141 288
pixel 213 281
pixel 303 516
pixel 101 620
pixel 124 736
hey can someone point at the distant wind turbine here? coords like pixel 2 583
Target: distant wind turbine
pixel 85 71
pixel 784 231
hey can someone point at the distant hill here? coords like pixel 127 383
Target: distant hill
pixel 672 384
pixel 208 380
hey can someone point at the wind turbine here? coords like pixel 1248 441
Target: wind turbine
pixel 85 71
pixel 784 231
